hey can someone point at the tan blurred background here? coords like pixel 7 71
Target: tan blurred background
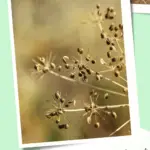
pixel 41 26
pixel 140 1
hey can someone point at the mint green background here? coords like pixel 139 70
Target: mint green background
pixel 8 120
pixel 141 28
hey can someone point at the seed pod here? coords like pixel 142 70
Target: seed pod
pixel 116 73
pixel 72 75
pixel 111 27
pixel 63 126
pixel 113 59
pixel 80 50
pixel 88 71
pixel 103 35
pixel 80 74
pixel 65 59
pixel 57 120
pixel 98 6
pixel 106 16
pixel 106 96
pixel 109 54
pixel 57 95
pixel 108 41
pixel 115 35
pixel 89 120
pixel 67 66
pixel 62 100
pixel 111 9
pixel 93 61
pixel 116 28
pixel 59 68
pixel 114 115
pixel 87 58
pixel 97 125
pixel 121 26
pixel 53 66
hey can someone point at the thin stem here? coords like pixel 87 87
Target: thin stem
pixel 123 78
pixel 118 129
pixel 114 82
pixel 99 107
pixel 86 84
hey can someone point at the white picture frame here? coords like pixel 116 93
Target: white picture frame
pixel 141 8
pixel 131 77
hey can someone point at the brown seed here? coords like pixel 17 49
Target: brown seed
pixel 59 68
pixel 116 28
pixel 67 66
pixel 106 96
pixel 53 66
pixel 80 74
pixel 97 125
pixel 57 95
pixel 103 35
pixel 115 35
pixel 114 115
pixel 98 6
pixel 72 75
pixel 108 42
pixel 109 54
pixel 93 61
pixel 116 73
pixel 62 100
pixel 80 50
pixel 113 59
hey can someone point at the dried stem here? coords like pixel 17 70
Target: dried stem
pixel 118 129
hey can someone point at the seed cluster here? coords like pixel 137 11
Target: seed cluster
pixel 81 70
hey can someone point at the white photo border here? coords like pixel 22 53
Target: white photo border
pixel 131 78
pixel 141 8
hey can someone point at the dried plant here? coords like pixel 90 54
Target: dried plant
pixel 80 70
pixel 140 1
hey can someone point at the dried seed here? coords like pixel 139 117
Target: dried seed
pixel 57 95
pixel 113 59
pixel 114 115
pixel 108 41
pixel 89 120
pixel 116 73
pixel 97 125
pixel 103 35
pixel 67 66
pixel 72 75
pixel 59 68
pixel 57 120
pixel 80 74
pixel 116 28
pixel 115 35
pixel 80 50
pixel 62 100
pixel 93 61
pixel 98 6
pixel 109 54
pixel 121 26
pixel 87 58
pixel 53 66
pixel 106 96
pixel 65 59
pixel 111 9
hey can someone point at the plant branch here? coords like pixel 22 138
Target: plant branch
pixel 118 129
pixel 86 84
pixel 99 107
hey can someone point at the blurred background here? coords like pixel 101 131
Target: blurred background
pixel 140 1
pixel 41 26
